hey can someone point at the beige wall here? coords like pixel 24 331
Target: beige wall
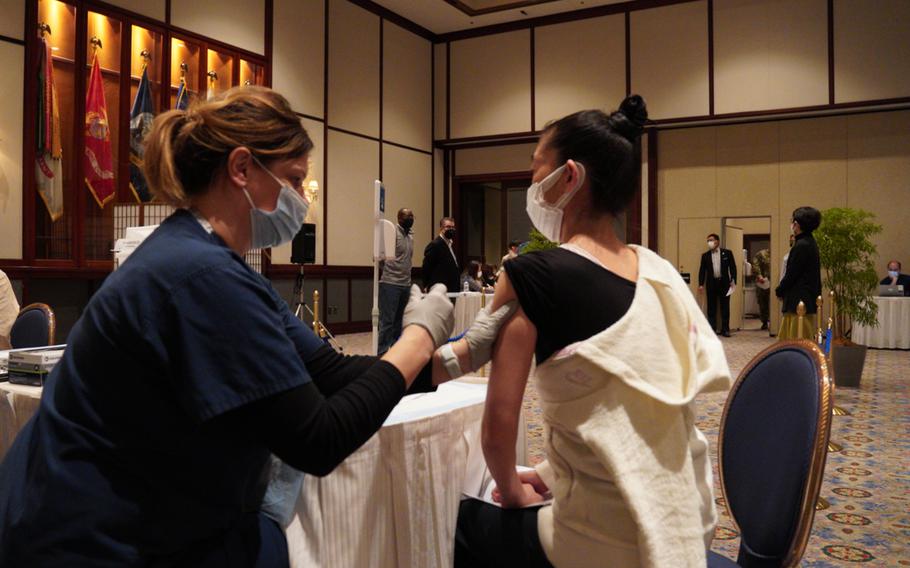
pixel 12 59
pixel 770 54
pixel 298 54
pixel 235 22
pixel 751 225
pixel 407 108
pixel 579 65
pixel 13 22
pixel 353 68
pixel 490 85
pixel 152 8
pixel 406 176
pixel 771 168
pixel 670 59
pixel 440 73
pixel 494 159
pixel 353 166
pixel 871 49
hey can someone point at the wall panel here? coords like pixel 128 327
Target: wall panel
pixel 352 167
pixel 406 176
pixel 151 8
pixel 494 159
pixel 406 88
pixel 438 184
pixel 490 85
pixel 353 68
pixel 878 178
pixel 871 49
pixel 770 54
pixel 236 22
pixel 12 58
pixel 439 87
pixel 579 65
pixel 13 22
pixel 282 254
pixel 670 59
pixel 748 171
pixel 298 56
pixel 813 164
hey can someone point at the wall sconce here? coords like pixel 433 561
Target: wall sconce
pixel 312 190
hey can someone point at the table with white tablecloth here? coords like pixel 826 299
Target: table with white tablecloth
pixel 467 304
pixel 893 329
pixel 17 404
pixel 394 502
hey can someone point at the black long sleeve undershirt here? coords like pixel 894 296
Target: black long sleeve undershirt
pixel 315 426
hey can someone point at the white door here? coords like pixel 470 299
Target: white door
pixel 733 240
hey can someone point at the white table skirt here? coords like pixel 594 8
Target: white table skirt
pixel 394 502
pixel 17 404
pixel 467 304
pixel 893 330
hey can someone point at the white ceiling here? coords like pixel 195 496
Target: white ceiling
pixel 441 17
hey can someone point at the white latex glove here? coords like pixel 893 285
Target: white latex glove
pixel 433 312
pixel 483 332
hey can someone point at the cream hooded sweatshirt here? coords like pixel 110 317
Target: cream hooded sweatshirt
pixel 628 469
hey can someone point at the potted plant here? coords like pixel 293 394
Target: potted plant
pixel 537 242
pixel 848 257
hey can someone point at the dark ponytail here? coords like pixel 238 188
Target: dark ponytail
pixel 607 146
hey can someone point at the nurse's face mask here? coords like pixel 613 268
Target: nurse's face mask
pixel 273 228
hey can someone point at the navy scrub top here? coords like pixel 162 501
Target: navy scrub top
pixel 120 465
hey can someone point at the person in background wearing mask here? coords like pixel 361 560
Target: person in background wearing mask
pixel 896 278
pixel 472 277
pixel 802 281
pixel 624 453
pixel 717 277
pixel 761 268
pixel 395 283
pixel 488 276
pixel 512 253
pixel 9 309
pixel 187 369
pixel 439 263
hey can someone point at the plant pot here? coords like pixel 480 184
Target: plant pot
pixel 847 362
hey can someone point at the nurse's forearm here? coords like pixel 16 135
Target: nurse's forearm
pixel 411 352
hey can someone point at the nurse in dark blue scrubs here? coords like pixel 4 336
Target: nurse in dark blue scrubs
pixel 187 369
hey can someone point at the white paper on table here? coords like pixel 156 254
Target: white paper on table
pixel 484 491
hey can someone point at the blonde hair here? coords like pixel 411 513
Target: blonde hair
pixel 187 149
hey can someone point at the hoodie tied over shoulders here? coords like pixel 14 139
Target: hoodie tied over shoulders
pixel 629 471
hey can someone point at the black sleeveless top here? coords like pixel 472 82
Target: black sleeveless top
pixel 567 297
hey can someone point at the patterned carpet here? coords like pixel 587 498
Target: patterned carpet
pixel 867 484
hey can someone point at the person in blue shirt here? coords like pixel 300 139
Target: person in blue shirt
pixel 187 370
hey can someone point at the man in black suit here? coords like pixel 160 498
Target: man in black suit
pixel 896 277
pixel 439 263
pixel 718 272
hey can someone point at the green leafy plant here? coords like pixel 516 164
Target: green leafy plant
pixel 536 242
pixel 848 258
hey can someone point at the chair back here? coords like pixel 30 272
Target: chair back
pixel 773 445
pixel 35 326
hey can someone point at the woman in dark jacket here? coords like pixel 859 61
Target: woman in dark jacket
pixel 802 281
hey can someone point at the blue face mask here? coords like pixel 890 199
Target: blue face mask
pixel 273 228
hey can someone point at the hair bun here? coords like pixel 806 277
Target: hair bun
pixel 630 119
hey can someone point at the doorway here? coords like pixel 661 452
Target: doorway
pixel 756 237
pixel 489 211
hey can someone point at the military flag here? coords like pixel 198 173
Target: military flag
pixel 141 116
pixel 49 157
pixel 99 172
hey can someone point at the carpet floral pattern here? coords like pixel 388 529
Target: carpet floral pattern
pixel 867 484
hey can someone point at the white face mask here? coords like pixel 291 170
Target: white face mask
pixel 712 245
pixel 893 273
pixel 546 217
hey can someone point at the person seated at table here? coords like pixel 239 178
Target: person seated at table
pixel 473 277
pixel 488 276
pixel 9 309
pixel 187 369
pixel 896 277
pixel 617 373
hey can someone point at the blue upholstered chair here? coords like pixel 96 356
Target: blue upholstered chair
pixel 772 447
pixel 35 326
